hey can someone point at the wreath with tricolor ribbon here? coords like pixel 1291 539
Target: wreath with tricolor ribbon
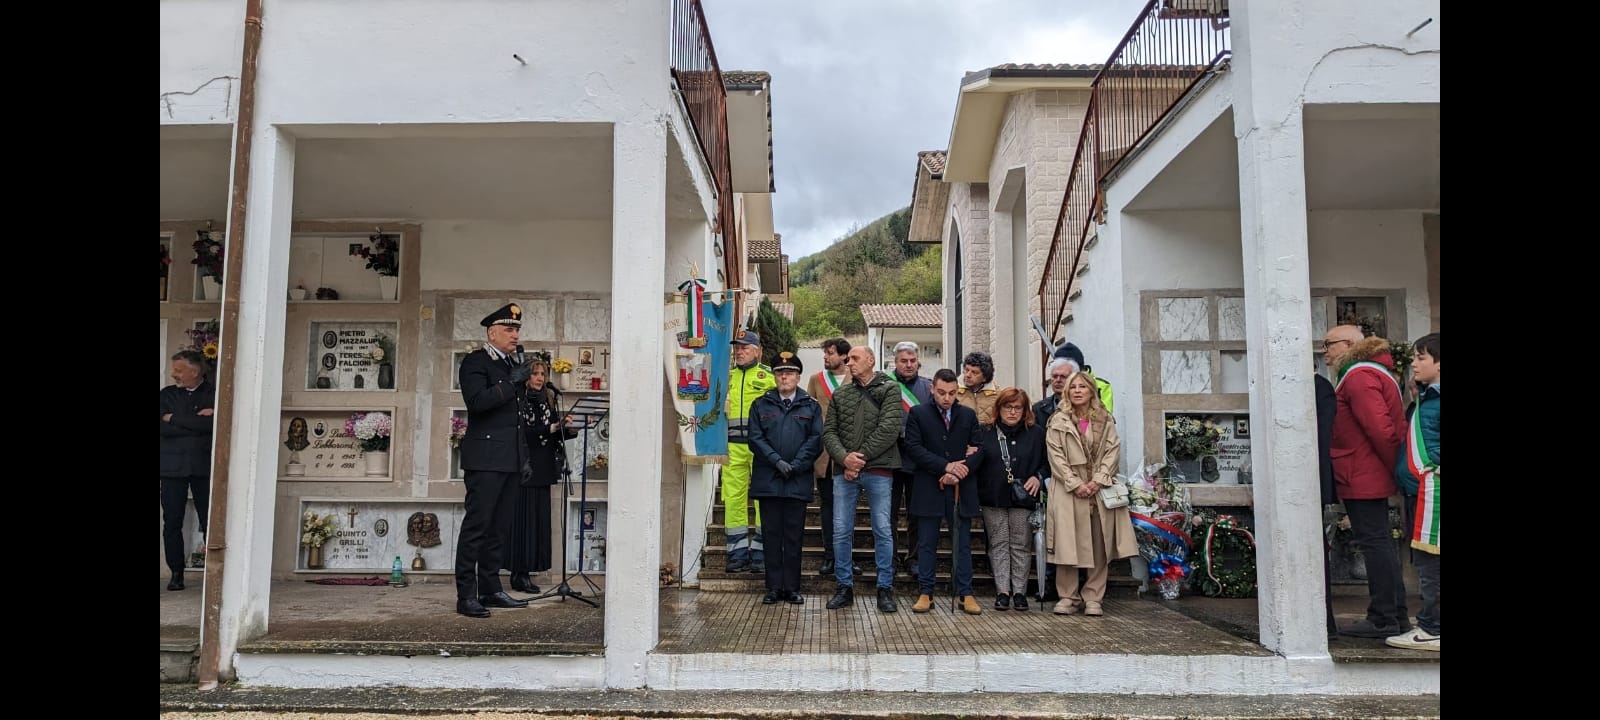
pixel 1217 535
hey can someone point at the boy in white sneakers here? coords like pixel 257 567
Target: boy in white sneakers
pixel 1417 474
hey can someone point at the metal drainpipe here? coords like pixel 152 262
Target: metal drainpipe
pixel 227 337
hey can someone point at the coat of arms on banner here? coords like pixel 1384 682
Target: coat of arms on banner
pixel 694 376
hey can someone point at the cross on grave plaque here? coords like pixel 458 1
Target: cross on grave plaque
pixel 352 514
pixel 605 358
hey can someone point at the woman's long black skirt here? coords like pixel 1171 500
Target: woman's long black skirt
pixel 528 549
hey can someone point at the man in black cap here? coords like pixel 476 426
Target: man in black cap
pixel 1071 352
pixel 493 382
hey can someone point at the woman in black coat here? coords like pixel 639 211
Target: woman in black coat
pixel 1010 535
pixel 529 541
pixel 785 438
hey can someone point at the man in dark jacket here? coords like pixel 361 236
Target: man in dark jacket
pixel 187 408
pixel 1367 435
pixel 862 433
pixel 493 383
pixel 937 438
pixel 785 438
pixel 1327 406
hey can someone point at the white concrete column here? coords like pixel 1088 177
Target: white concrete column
pixel 638 241
pixel 258 393
pixel 1272 207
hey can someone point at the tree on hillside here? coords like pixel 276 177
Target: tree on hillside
pixel 920 280
pixel 777 333
pixel 870 265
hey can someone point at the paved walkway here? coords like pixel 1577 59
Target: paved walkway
pixel 178 701
pixel 704 622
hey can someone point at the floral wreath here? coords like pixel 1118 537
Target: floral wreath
pixel 1217 534
pixel 691 423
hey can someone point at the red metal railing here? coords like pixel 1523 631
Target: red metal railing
pixel 699 77
pixel 1171 47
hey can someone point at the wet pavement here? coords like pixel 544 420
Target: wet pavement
pixel 307 617
pixel 707 622
pixel 186 703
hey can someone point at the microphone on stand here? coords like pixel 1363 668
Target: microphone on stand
pixel 519 358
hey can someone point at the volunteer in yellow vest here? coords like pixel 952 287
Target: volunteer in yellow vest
pixel 748 380
pixel 979 393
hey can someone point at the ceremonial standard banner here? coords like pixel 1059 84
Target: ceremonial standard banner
pixel 698 351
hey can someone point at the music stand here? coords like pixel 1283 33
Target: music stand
pixel 590 410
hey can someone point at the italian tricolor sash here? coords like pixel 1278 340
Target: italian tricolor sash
pixel 1425 530
pixel 1370 366
pixel 829 383
pixel 907 400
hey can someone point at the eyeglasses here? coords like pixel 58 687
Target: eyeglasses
pixel 1059 377
pixel 1327 345
pixel 1011 408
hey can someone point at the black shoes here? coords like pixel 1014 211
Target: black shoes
pixel 1018 602
pixel 795 599
pixel 520 582
pixel 772 597
pixel 1002 602
pixel 827 567
pixel 500 600
pixel 758 567
pixel 845 596
pixel 886 600
pixel 1366 629
pixel 176 583
pixel 471 608
pixel 738 566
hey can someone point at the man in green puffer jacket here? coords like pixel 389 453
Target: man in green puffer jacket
pixel 862 432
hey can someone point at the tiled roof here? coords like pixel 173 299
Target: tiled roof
pixel 1033 70
pixel 745 78
pixel 785 309
pixel 767 249
pixel 933 160
pixel 928 315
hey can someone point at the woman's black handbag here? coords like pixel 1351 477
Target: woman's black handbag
pixel 1019 494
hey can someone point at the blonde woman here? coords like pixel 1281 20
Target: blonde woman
pixel 1080 532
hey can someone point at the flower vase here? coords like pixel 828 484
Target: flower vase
pixel 564 381
pixel 377 463
pixel 163 289
pixel 1189 469
pixel 210 288
pixel 389 286
pixel 386 376
pixel 314 557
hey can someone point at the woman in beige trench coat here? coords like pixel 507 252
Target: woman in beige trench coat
pixel 1080 532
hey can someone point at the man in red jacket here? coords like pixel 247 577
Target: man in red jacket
pixel 1368 431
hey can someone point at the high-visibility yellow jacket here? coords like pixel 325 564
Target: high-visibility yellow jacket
pixel 744 386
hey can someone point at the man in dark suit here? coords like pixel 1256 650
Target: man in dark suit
pixel 937 438
pixel 186 424
pixel 493 383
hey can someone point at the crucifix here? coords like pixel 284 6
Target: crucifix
pixel 605 358
pixel 352 518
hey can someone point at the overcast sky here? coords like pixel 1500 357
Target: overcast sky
pixel 860 86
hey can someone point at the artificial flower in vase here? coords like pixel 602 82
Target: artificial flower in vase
pixel 562 369
pixel 208 256
pixel 371 431
pixel 383 257
pixel 315 530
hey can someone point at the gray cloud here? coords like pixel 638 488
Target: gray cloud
pixel 859 86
